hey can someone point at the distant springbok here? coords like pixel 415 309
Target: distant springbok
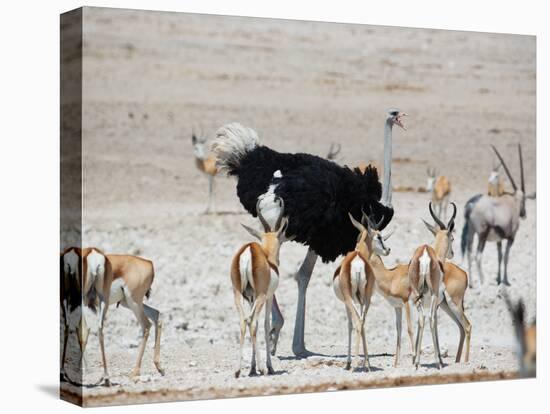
pixel 206 163
pixel 494 219
pixel 526 337
pixel 495 187
pixel 426 278
pixel 440 188
pixel 255 277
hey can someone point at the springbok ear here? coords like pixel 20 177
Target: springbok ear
pixel 252 231
pixel 432 229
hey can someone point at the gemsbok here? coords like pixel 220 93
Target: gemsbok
pixel 126 280
pixel 440 188
pixel 426 278
pixel 354 282
pixel 255 277
pixel 206 163
pixel 494 219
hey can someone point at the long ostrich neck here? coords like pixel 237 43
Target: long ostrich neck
pixel 386 185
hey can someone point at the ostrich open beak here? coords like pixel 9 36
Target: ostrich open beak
pixel 398 121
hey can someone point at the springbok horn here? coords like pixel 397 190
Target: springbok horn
pixel 281 213
pixel 451 223
pixel 521 169
pixel 436 219
pixel 505 168
pixel 262 219
pixel 366 217
pixel 387 236
pixel 355 223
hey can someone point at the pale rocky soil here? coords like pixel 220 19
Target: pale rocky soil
pixel 148 77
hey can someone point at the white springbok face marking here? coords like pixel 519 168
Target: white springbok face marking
pixel 430 183
pixel 199 149
pixel 269 206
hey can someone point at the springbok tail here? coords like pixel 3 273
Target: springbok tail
pixel 232 143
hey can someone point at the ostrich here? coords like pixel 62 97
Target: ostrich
pixel 318 195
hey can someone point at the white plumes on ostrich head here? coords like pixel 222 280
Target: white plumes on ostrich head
pixel 233 141
pixel 318 194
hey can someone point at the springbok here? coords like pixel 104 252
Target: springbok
pixel 526 337
pixel 440 187
pixel 391 283
pixel 494 219
pixel 126 280
pixel 206 163
pixel 426 278
pixel 455 281
pixel 354 281
pixel 333 151
pixel 255 277
pixel 495 186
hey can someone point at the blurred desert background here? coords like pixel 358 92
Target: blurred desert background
pixel 150 77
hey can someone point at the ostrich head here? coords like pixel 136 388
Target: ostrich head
pixel 394 117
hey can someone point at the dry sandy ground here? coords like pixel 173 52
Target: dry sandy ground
pixel 148 77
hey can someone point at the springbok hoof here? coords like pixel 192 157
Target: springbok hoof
pixel 106 382
pixel 348 366
pixel 237 374
pixel 253 372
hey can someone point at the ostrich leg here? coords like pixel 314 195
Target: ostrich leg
pixel 277 322
pixel 302 277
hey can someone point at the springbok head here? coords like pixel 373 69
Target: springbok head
pixel 333 151
pixel 431 178
pixel 443 233
pixel 199 144
pixel 519 193
pixel 271 238
pixel 370 234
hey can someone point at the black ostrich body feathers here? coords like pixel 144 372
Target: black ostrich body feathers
pixel 318 194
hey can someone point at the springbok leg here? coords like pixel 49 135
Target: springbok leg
pixel 445 306
pixel 303 276
pixel 242 321
pixel 154 316
pixel 398 322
